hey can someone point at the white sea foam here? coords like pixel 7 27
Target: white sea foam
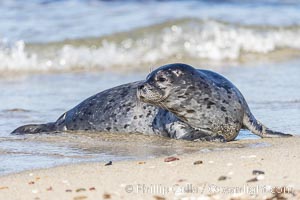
pixel 14 56
pixel 181 39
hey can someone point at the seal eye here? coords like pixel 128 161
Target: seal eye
pixel 161 79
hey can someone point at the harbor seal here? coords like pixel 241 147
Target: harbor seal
pixel 203 99
pixel 116 110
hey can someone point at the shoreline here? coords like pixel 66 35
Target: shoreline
pixel 210 175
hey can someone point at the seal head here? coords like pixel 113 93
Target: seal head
pixel 178 88
pixel 165 82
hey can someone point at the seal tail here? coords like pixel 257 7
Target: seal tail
pixel 35 128
pixel 259 129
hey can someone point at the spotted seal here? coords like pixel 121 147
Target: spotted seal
pixel 203 99
pixel 116 110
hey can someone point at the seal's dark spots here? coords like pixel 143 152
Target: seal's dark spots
pixel 205 99
pixel 181 97
pixel 209 104
pixel 135 117
pixel 124 93
pixel 259 128
pixel 226 120
pixel 229 97
pixel 108 128
pixel 126 125
pixel 148 114
pixel 190 111
pixel 145 107
pixel 115 120
pixel 224 101
pixel 172 110
pixel 107 108
pixel 140 116
pixel 127 110
pixel 223 109
pixel 182 117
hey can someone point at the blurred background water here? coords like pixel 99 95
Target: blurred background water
pixel 56 53
pixel 45 35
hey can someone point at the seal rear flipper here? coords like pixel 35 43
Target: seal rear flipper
pixel 35 128
pixel 250 123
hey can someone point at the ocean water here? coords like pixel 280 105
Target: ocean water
pixel 67 35
pixel 54 54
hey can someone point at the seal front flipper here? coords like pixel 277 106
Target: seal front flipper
pixel 250 123
pixel 181 130
pixel 212 138
pixel 34 128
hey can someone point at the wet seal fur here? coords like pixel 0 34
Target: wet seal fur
pixel 116 110
pixel 203 99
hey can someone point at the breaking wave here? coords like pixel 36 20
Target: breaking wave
pixel 174 40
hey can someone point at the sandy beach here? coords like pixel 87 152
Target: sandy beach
pixel 264 172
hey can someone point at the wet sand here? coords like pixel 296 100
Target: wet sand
pixel 214 175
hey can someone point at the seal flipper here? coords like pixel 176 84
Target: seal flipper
pixel 35 128
pixel 256 127
pixel 59 125
pixel 180 130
